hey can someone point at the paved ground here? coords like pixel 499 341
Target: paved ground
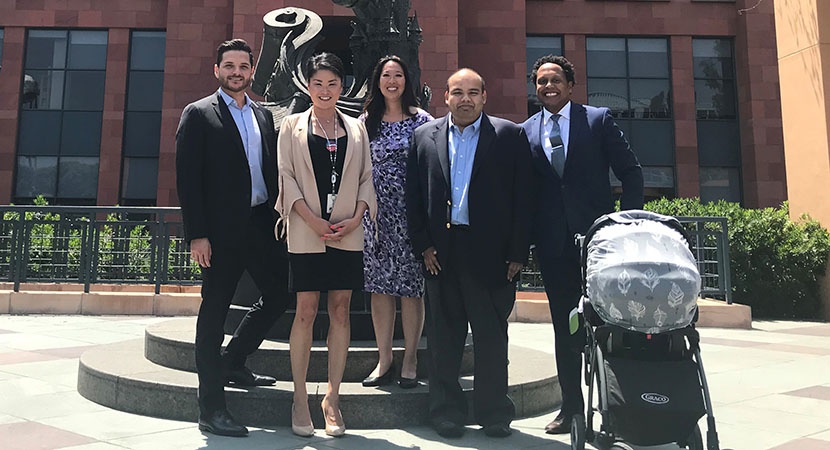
pixel 770 385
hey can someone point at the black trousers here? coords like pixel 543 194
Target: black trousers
pixel 563 285
pixel 266 260
pixel 455 299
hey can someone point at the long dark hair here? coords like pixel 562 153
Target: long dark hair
pixel 324 61
pixel 375 104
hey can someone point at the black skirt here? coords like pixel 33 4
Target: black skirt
pixel 333 270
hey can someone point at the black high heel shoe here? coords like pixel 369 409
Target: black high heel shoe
pixel 382 380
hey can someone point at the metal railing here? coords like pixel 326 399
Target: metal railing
pixel 710 246
pixel 135 245
pixel 90 245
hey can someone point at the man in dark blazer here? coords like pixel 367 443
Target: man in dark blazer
pixel 586 143
pixel 226 174
pixel 469 214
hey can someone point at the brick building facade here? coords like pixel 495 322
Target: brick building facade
pixel 693 83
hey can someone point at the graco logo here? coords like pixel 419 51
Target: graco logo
pixel 657 399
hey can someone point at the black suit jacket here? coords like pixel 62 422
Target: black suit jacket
pixel 570 204
pixel 212 174
pixel 499 207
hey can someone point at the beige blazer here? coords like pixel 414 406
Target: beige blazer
pixel 297 182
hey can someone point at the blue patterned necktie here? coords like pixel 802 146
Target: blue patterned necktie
pixel 557 157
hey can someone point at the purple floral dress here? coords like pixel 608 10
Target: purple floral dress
pixel 389 267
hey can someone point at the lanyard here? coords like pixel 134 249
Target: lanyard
pixel 331 146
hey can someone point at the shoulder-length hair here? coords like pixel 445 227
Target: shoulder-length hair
pixel 375 104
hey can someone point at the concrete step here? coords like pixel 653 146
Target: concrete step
pixel 170 344
pixel 118 376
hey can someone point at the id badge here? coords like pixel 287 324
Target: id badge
pixel 330 198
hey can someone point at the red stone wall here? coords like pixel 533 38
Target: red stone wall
pixel 687 168
pixel 10 75
pixel 759 107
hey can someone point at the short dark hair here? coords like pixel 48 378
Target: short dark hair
pixel 233 44
pixel 560 61
pixel 325 61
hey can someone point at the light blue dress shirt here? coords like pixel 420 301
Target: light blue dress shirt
pixel 462 148
pixel 252 141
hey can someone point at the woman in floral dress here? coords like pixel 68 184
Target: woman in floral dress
pixel 391 114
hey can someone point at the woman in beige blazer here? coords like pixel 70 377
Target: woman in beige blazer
pixel 326 186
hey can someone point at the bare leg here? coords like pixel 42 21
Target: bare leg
pixel 338 347
pixel 300 351
pixel 383 319
pixel 412 317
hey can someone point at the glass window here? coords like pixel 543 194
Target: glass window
pixel 606 57
pixel 42 89
pixel 40 133
pixel 142 131
pixel 648 58
pixel 36 175
pixel 84 90
pixel 142 120
pixel 631 77
pixel 78 177
pixel 536 47
pixel 718 137
pixel 145 91
pixel 720 183
pixel 88 50
pixel 140 179
pixel 147 50
pixel 2 33
pixel 46 49
pixel 62 103
pixel 81 134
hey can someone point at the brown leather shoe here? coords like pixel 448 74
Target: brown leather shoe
pixel 560 425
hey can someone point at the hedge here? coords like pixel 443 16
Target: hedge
pixel 776 263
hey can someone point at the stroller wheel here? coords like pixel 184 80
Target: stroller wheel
pixel 620 446
pixel 695 441
pixel 578 432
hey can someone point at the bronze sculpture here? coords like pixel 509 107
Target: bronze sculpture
pixel 291 34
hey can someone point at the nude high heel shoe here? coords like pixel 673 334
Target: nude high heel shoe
pixel 332 428
pixel 301 430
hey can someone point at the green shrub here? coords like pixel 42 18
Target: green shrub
pixel 775 262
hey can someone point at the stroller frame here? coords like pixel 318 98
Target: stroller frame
pixel 605 339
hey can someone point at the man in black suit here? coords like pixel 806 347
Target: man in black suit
pixel 469 214
pixel 226 173
pixel 572 147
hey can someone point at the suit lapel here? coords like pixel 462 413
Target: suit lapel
pixel 486 136
pixel 440 135
pixel 351 138
pixel 577 132
pixel 301 137
pixel 228 123
pixel 535 136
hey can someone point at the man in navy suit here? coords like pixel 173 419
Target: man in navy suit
pixel 468 212
pixel 226 176
pixel 573 147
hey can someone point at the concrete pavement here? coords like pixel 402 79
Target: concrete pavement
pixel 770 386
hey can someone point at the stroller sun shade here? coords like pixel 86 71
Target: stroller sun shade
pixel 640 273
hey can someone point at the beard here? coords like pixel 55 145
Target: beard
pixel 226 85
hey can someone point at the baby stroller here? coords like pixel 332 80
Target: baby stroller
pixel 642 354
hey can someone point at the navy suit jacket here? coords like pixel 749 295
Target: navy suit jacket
pixel 570 204
pixel 212 174
pixel 499 207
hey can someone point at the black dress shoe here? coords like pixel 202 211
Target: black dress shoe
pixel 560 425
pixel 498 430
pixel 243 376
pixel 221 423
pixel 448 429
pixel 382 380
pixel 407 383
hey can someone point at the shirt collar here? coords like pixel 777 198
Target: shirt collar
pixel 564 112
pixel 474 126
pixel 230 101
